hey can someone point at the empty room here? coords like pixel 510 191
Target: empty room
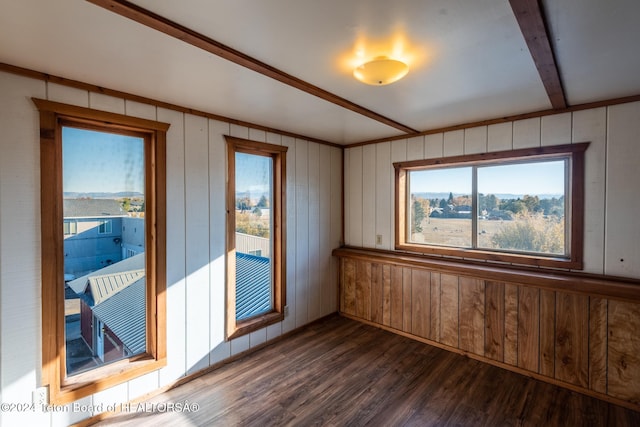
pixel 319 212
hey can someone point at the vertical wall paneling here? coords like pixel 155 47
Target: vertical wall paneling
pixel 396 294
pixel 138 109
pixel 598 344
pixel 590 126
pixel 302 232
pixel 547 332
pixel 102 102
pixel 528 328
pixel 376 300
pixel 289 321
pixel 494 321
pixel 622 250
pixel 556 129
pixel 449 314
pixel 511 324
pixel 324 231
pixel 475 140
pixel 219 348
pixel 383 186
pixel 434 146
pixel 176 248
pixel 415 148
pixel 274 138
pixel 472 315
pixel 348 300
pixel 572 334
pixel 363 290
pixel 420 303
pixel 336 220
pixel 453 143
pixel 20 343
pixel 500 137
pixel 67 95
pixel 238 131
pixel 369 196
pixel 257 135
pixel 314 302
pixel 386 295
pixel 436 293
pixel 354 196
pixel 526 133
pixel 197 242
pixel 623 362
pixel 406 299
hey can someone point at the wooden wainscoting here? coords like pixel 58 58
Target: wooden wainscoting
pixel 581 332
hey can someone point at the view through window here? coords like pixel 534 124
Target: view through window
pixel 254 225
pixel 516 207
pixel 104 247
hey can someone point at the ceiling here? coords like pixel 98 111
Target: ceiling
pixel 287 64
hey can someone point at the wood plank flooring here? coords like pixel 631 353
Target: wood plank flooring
pixel 339 372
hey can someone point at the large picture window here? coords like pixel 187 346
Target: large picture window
pixel 103 302
pixel 255 235
pixel 521 206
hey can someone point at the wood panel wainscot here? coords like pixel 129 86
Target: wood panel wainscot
pixel 578 331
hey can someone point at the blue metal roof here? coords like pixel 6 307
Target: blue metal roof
pixel 253 285
pixel 124 313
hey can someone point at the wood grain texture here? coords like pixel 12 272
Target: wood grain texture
pixel 598 344
pixel 406 299
pixel 472 310
pixel 363 290
pixel 396 297
pixel 386 295
pixel 572 335
pixel 449 326
pixel 494 321
pixel 349 286
pixel 528 328
pixel 376 293
pixel 511 324
pixel 436 294
pixel 547 332
pixel 624 351
pixel 420 303
pixel 339 372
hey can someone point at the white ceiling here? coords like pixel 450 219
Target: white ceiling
pixel 469 60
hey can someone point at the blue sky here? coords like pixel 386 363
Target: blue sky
pixel 101 162
pixel 533 178
pixel 253 174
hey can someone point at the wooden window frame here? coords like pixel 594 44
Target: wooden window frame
pixel 53 116
pixel 235 328
pixel 575 206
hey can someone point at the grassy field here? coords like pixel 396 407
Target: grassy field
pixel 457 232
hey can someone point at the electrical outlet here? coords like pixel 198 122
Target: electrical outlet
pixel 286 310
pixel 378 239
pixel 41 396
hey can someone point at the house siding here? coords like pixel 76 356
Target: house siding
pixel 196 186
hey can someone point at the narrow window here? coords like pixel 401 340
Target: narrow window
pixel 103 304
pixel 255 229
pixel 521 206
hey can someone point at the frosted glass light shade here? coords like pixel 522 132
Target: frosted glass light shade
pixel 381 71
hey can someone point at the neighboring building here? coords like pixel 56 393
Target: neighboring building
pixel 112 309
pixel 92 234
pixel 253 285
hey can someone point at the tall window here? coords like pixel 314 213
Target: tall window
pixel 103 313
pixel 255 235
pixel 522 206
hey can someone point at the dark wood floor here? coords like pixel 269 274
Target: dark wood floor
pixel 339 372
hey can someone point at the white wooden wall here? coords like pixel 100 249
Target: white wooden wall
pixel 196 186
pixel 612 178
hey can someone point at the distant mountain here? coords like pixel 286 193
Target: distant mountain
pixel 501 196
pixel 101 195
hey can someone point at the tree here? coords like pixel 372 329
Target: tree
pixel 243 203
pixel 263 202
pixel 531 233
pixel 126 204
pixel 257 211
pixel 417 216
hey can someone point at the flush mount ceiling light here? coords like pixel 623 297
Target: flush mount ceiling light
pixel 381 71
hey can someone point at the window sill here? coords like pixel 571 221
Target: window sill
pixel 244 327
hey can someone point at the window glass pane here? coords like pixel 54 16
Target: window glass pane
pixel 254 246
pixel 104 247
pixel 521 207
pixel 440 207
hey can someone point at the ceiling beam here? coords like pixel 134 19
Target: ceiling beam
pixel 173 29
pixel 532 24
